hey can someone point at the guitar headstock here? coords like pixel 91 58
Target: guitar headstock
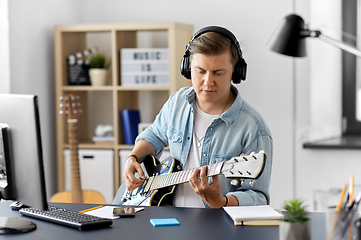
pixel 71 106
pixel 245 166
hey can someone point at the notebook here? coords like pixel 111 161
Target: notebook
pixel 254 215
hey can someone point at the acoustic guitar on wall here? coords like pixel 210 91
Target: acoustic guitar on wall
pixel 71 110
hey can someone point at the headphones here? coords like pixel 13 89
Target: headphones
pixel 240 69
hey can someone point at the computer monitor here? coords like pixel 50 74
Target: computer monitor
pixel 22 164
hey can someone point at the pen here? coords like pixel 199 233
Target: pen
pixel 345 221
pixel 90 209
pixel 341 198
pixel 351 189
pixel 338 211
pixel 350 213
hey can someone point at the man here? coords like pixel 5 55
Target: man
pixel 207 123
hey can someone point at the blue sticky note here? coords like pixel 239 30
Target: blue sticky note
pixel 163 221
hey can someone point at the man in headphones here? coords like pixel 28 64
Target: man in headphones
pixel 208 123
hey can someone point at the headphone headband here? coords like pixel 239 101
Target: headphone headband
pixel 240 68
pixel 219 30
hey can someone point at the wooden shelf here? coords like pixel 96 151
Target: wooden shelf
pixel 113 97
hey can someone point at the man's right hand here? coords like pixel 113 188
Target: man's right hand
pixel 132 167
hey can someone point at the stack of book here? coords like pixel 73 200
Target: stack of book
pixel 144 66
pixel 103 139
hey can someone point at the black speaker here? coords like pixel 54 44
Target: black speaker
pixel 240 69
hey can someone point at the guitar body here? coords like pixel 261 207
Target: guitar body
pixel 158 197
pixel 89 196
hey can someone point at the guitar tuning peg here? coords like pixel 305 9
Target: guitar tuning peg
pixel 242 182
pixel 251 183
pixel 61 112
pixel 234 182
pixel 61 105
pixel 61 98
pixel 80 111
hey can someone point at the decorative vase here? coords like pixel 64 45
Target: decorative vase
pixel 294 231
pixel 98 76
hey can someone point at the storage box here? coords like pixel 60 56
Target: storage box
pixel 96 171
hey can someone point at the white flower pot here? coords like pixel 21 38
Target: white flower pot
pixel 294 231
pixel 98 76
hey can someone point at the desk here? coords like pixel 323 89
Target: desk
pixel 195 224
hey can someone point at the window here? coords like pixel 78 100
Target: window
pixel 351 78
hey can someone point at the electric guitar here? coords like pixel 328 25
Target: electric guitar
pixel 157 189
pixel 71 110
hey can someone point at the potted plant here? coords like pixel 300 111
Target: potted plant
pixel 295 224
pixel 98 71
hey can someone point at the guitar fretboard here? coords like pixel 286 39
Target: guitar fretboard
pixel 77 196
pixel 175 178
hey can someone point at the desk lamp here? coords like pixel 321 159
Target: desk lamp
pixel 290 38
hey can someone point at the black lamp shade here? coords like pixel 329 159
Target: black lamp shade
pixel 287 39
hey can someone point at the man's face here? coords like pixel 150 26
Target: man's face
pixel 211 77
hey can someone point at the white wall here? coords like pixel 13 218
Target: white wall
pixel 4 48
pixel 32 63
pixel 268 85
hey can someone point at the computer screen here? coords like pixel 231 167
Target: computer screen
pixel 22 164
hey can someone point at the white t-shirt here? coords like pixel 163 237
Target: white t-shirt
pixel 185 196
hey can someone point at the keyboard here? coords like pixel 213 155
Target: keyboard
pixel 67 218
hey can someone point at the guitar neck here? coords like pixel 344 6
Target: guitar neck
pixel 175 178
pixel 77 196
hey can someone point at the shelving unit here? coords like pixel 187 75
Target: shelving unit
pixel 70 39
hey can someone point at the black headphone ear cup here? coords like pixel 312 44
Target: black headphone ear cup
pixel 243 68
pixel 185 67
pixel 240 71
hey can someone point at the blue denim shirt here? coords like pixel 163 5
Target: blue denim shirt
pixel 239 130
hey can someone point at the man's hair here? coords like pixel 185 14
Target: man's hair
pixel 212 43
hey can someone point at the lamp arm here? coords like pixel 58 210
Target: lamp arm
pixel 344 46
